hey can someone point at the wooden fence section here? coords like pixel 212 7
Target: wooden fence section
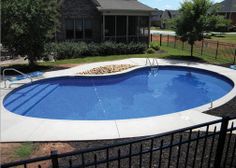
pixel 226 52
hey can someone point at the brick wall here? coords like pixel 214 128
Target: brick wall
pixel 79 9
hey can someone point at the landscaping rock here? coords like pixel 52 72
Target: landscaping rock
pixel 108 69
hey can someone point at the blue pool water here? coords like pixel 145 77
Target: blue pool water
pixel 141 93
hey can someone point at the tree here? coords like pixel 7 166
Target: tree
pixel 27 25
pixel 197 17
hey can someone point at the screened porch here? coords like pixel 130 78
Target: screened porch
pixel 126 28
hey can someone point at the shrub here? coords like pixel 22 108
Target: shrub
pixel 150 51
pixel 66 50
pixel 154 45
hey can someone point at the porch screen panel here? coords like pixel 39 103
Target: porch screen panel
pixel 110 26
pixel 121 26
pixel 69 28
pixel 143 25
pixel 88 28
pixel 133 25
pixel 79 28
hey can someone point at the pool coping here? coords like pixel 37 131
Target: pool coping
pixel 16 128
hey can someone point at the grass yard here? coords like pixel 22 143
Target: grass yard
pixel 25 150
pixel 227 38
pixel 166 52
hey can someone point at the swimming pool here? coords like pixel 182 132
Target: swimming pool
pixel 144 92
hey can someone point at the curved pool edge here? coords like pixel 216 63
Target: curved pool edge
pixel 16 128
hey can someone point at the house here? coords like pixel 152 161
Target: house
pixel 100 20
pixel 228 9
pixel 156 18
pixel 167 15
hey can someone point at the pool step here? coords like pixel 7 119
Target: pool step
pixel 35 96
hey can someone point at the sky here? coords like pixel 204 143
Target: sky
pixel 166 4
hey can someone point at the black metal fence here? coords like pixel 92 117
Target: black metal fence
pixel 226 52
pixel 211 144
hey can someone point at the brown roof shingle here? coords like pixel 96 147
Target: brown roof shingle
pixel 227 6
pixel 123 5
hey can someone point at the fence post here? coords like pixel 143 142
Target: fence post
pixel 160 39
pixel 202 47
pixel 221 142
pixel 168 37
pixel 175 41
pixel 54 159
pixel 234 56
pixel 182 45
pixel 217 48
pixel 151 37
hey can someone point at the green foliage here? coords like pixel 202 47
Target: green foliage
pixel 150 51
pixel 25 150
pixel 27 25
pixel 170 23
pixel 155 45
pixel 215 22
pixel 67 50
pixel 196 17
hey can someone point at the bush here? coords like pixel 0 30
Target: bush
pixel 66 50
pixel 154 45
pixel 150 51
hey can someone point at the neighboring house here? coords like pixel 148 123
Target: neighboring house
pixel 156 18
pixel 228 9
pixel 167 15
pixel 100 20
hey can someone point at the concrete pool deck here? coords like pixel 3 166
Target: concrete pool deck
pixel 19 128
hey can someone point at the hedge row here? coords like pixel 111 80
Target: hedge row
pixel 66 50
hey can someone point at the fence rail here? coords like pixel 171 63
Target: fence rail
pixel 226 52
pixel 211 144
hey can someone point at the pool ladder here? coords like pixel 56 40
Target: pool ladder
pixel 211 104
pixel 151 62
pixel 15 83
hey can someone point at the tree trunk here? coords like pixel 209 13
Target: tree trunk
pixel 191 50
pixel 32 61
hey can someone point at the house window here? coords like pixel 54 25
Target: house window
pixel 78 29
pixel 69 25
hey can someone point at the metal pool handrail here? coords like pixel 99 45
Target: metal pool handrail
pixel 153 63
pixel 13 69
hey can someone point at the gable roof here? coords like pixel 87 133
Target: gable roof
pixel 157 12
pixel 169 14
pixel 156 15
pixel 173 13
pixel 122 5
pixel 227 6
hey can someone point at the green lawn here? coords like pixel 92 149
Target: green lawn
pixel 25 150
pixel 167 52
pixel 228 38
